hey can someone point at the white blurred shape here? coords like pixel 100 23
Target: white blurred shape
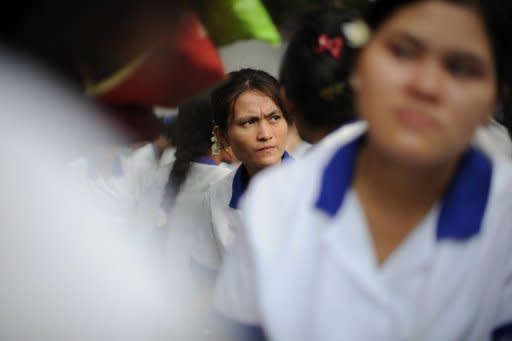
pixel 493 138
pixel 65 273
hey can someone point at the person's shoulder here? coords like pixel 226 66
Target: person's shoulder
pixel 210 173
pixel 494 140
pixel 307 170
pixel 225 180
pixel 498 211
pixel 168 156
pixel 343 134
pixel 222 186
pixel 502 180
pixel 144 151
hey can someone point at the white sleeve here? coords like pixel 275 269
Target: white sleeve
pixel 503 324
pixel 236 295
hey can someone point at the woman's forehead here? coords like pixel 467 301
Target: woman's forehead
pixel 441 24
pixel 253 100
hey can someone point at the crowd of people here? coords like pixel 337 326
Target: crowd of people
pixel 393 223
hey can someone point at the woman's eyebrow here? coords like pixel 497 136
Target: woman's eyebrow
pixel 247 116
pixel 468 56
pixel 273 112
pixel 408 38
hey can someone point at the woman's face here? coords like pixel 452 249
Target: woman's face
pixel 257 131
pixel 425 82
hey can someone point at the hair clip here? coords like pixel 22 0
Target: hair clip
pixel 331 45
pixel 357 33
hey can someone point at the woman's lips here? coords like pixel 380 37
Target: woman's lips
pixel 266 149
pixel 416 120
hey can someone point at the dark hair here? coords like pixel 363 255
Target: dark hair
pixel 238 82
pixel 495 15
pixel 317 82
pixel 193 128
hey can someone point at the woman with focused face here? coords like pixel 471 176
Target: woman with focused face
pixel 249 119
pixel 256 131
pixel 402 231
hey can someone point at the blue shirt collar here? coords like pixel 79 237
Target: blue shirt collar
pixel 205 160
pixel 462 207
pixel 241 180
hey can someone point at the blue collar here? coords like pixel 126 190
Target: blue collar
pixel 241 180
pixel 205 160
pixel 463 205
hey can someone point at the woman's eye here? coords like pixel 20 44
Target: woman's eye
pixel 463 69
pixel 403 51
pixel 249 122
pixel 275 117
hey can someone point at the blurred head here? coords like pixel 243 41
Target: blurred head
pixel 314 79
pixel 429 76
pixel 99 36
pixel 250 118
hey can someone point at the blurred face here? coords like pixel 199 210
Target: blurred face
pixel 426 81
pixel 257 131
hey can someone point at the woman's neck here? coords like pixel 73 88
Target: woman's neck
pixel 396 196
pixel 399 183
pixel 250 172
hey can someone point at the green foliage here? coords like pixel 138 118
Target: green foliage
pixel 230 20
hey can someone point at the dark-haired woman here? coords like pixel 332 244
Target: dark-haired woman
pixel 251 120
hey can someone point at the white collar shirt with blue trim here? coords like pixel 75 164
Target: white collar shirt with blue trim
pixel 303 267
pixel 224 219
pixel 224 213
pixel 222 202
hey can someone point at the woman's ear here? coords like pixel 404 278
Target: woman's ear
pixel 223 141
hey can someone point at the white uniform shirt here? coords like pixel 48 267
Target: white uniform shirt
pixel 494 139
pixel 216 234
pixel 222 203
pixel 110 181
pixel 149 176
pixel 304 268
pixel 188 213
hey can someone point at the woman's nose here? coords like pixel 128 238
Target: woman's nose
pixel 264 131
pixel 425 82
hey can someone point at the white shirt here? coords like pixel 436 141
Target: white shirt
pixel 189 214
pixel 133 190
pixel 494 139
pixel 222 203
pixel 303 267
pixel 109 180
pixel 184 218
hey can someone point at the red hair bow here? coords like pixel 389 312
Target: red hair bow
pixel 331 45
